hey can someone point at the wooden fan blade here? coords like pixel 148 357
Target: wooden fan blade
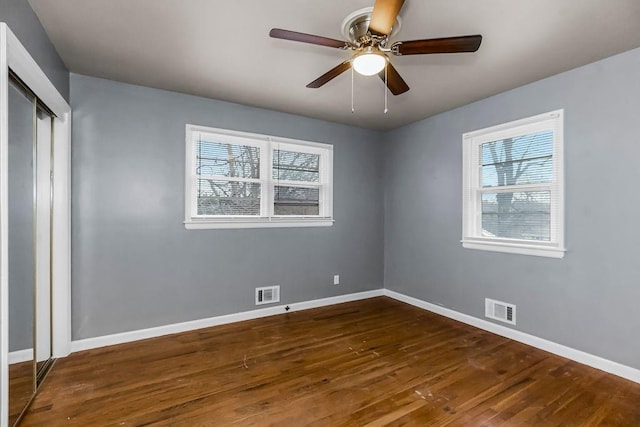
pixel 442 45
pixel 395 83
pixel 330 75
pixel 384 15
pixel 295 36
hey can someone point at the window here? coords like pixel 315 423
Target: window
pixel 513 187
pixel 241 180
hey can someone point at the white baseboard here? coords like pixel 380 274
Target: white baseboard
pixel 20 356
pixel 597 362
pixel 543 344
pixel 106 340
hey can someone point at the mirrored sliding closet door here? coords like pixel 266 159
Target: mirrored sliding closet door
pixel 29 245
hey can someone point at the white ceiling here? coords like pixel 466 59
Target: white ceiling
pixel 222 49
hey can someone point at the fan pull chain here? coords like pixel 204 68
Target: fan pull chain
pixel 352 107
pixel 385 88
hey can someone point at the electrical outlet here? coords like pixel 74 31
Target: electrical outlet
pixel 336 279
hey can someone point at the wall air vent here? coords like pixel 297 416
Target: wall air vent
pixel 267 295
pixel 499 310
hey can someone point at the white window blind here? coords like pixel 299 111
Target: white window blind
pixel 513 187
pixel 228 177
pixel 297 182
pixel 236 180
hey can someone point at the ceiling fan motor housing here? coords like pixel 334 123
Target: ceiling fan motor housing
pixel 359 29
pixel 355 27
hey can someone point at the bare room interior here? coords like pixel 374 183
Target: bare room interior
pixel 366 212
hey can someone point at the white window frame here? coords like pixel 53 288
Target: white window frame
pixel 472 237
pixel 266 219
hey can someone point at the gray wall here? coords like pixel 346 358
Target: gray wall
pixel 136 266
pixel 24 23
pixel 588 300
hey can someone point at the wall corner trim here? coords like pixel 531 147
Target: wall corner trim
pixel 579 356
pixel 141 334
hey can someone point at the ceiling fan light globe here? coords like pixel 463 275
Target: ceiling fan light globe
pixel 369 64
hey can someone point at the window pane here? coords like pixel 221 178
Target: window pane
pixel 296 201
pixel 518 215
pixel 228 197
pixel 525 159
pixel 294 166
pixel 237 161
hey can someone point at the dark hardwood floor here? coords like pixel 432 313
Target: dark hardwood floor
pixel 373 362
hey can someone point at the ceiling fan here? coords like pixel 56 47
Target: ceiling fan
pixel 368 31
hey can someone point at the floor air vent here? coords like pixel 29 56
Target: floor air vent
pixel 267 295
pixel 499 310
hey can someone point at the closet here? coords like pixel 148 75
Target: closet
pixel 35 224
pixel 29 202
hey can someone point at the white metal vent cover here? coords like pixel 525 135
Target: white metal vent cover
pixel 267 294
pixel 499 310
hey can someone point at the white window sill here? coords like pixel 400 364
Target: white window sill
pixel 205 224
pixel 515 248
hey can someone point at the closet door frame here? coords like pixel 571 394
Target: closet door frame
pixel 13 55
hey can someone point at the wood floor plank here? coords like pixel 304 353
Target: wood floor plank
pixel 374 362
